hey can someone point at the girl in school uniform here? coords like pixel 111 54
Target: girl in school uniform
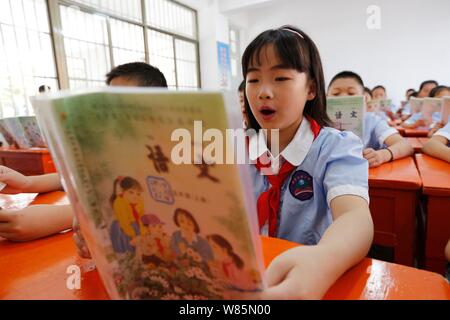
pixel 317 194
pixel 382 143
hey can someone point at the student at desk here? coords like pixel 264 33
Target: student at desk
pixel 377 132
pixel 39 221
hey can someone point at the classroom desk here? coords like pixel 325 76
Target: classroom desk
pixel 39 269
pixel 393 190
pixel 435 175
pixel 415 144
pixel 33 161
pixel 400 130
pixel 44 271
pixel 418 132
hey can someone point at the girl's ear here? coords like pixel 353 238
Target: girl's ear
pixel 312 90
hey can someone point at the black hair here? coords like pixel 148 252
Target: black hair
pixel 414 94
pixel 241 87
pixel 379 87
pixel 346 75
pixel 186 214
pixel 423 84
pixel 145 74
pixel 44 88
pixel 411 89
pixel 125 183
pixel 367 90
pixel 297 51
pixel 435 91
pixel 223 243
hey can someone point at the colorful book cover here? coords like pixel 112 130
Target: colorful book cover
pixel 373 106
pixel 385 105
pixel 347 113
pixel 429 107
pixel 416 105
pixel 445 112
pixel 156 229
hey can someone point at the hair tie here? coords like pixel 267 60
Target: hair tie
pixel 295 32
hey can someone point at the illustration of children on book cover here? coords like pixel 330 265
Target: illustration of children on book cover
pixel 166 235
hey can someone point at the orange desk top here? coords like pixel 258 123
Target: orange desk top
pixel 30 150
pixel 435 175
pixel 418 132
pixel 398 174
pixel 38 270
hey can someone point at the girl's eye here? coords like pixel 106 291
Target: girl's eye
pixel 281 78
pixel 252 81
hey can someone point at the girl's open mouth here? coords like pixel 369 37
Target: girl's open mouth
pixel 267 113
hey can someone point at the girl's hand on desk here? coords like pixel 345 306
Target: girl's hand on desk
pixel 298 273
pixel 34 222
pixel 375 158
pixel 15 181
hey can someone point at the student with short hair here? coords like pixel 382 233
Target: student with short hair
pixel 381 142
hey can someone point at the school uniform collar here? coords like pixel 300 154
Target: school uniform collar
pixel 295 152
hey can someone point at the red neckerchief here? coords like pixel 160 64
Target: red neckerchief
pixel 269 201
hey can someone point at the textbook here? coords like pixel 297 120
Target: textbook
pixel 22 132
pixel 416 105
pixel 385 105
pixel 445 111
pixel 162 216
pixel 347 113
pixel 374 106
pixel 430 106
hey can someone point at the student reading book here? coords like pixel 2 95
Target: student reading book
pixel 381 142
pixel 163 217
pixel 347 113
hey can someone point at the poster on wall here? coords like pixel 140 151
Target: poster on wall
pixel 223 51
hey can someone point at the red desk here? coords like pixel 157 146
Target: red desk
pixel 38 270
pixel 418 132
pixel 435 175
pixel 393 190
pixel 29 162
pixel 400 130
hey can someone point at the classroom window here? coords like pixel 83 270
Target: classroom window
pixel 130 9
pixel 171 17
pixel 86 47
pixel 93 37
pixel 127 41
pixel 26 55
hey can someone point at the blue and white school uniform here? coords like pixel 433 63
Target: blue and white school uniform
pixel 406 109
pixel 444 132
pixel 414 118
pixel 325 168
pixel 376 131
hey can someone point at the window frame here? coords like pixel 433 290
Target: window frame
pixel 58 38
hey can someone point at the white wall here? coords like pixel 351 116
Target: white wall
pixel 412 45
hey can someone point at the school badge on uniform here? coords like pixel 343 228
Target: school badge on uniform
pixel 301 185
